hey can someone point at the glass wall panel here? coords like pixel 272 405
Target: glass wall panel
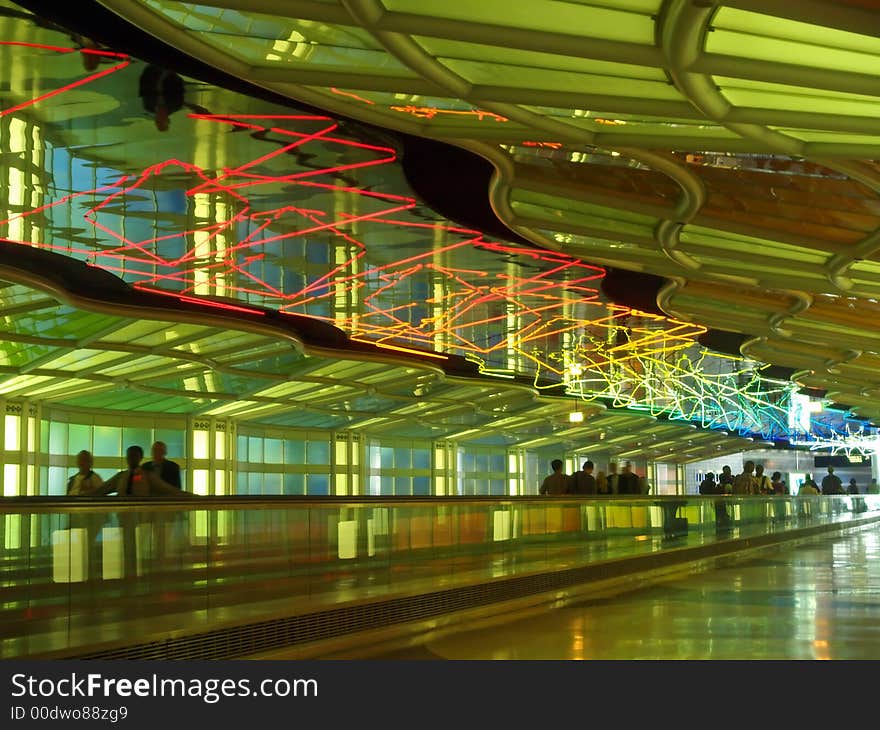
pixel 318 484
pixel 79 437
pixel 108 441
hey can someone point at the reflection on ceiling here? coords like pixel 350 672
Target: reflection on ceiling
pixel 729 146
pixel 284 211
pixel 64 349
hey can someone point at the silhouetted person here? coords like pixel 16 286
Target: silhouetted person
pixel 808 487
pixel 161 92
pixel 601 483
pixel 779 486
pixel 725 480
pixel 628 483
pixel 853 487
pixel 709 485
pixel 873 487
pixel 557 482
pixel 745 481
pixel 763 482
pixel 583 481
pixel 167 470
pixel 85 481
pixel 832 484
pixel 613 479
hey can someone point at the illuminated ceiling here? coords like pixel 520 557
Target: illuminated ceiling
pixel 726 146
pixel 286 211
pixel 133 351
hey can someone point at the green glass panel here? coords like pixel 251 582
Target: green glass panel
pixel 611 226
pixel 57 437
pixel 57 477
pixel 318 452
pixel 871 142
pixel 764 95
pixel 272 484
pixel 175 440
pixel 294 484
pixel 733 242
pixel 272 451
pixel 570 205
pixel 142 437
pixel 449 50
pixel 318 485
pixel 294 451
pixel 677 132
pixel 774 28
pixel 108 441
pixel 496 74
pixel 255 450
pixel 79 437
pixel 540 15
pixel 748 268
pixel 801 54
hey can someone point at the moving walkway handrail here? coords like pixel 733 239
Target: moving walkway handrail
pixel 13 505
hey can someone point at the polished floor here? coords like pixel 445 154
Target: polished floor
pixel 816 600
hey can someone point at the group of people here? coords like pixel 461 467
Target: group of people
pixel 585 482
pixel 752 480
pixel 158 477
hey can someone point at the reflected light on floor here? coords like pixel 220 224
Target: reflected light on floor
pixel 577 647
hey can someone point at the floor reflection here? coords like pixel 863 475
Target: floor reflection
pixel 801 602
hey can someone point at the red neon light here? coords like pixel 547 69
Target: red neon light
pixel 349 94
pixel 466 298
pixel 62 89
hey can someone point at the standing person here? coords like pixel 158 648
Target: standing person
pixel 765 485
pixel 808 487
pixel 831 484
pixel 601 483
pixel 745 481
pixel 628 483
pixel 85 481
pixel 873 487
pixel 613 479
pixel 557 482
pixel 583 481
pixel 853 487
pixel 167 470
pixel 725 481
pixel 779 486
